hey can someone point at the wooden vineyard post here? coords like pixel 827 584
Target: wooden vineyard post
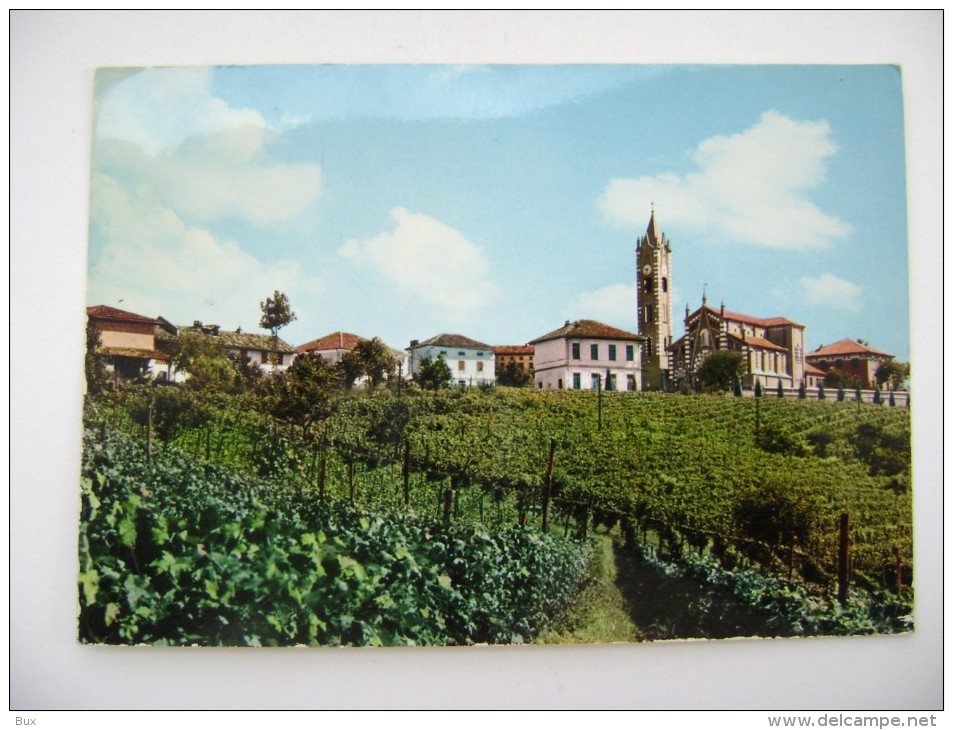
pixel 322 462
pixel 898 567
pixel 149 434
pixel 548 487
pixel 406 471
pixel 843 559
pixel 447 505
pixel 350 480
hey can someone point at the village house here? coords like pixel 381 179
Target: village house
pixel 127 341
pixel 332 347
pixel 268 353
pixel 854 360
pixel 519 355
pixel 588 355
pixel 471 362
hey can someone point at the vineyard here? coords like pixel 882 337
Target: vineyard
pixel 460 517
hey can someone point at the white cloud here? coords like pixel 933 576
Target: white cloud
pixel 750 188
pixel 159 108
pixel 828 290
pixel 615 304
pixel 157 264
pixel 429 259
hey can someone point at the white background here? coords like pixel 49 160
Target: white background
pixel 53 56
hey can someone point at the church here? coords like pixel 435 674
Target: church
pixel 772 349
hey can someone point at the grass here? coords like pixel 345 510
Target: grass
pixel 600 614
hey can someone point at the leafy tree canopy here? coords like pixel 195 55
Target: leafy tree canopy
pixel 433 374
pixel 513 375
pixel 893 374
pixel 719 370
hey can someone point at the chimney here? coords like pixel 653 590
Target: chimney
pixel 414 343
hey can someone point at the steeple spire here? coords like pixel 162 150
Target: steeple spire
pixel 652 232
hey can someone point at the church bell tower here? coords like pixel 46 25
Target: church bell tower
pixel 653 257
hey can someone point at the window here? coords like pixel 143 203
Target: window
pixel 595 381
pixel 648 347
pixel 461 354
pixel 630 382
pixel 479 366
pixel 575 351
pixel 264 358
pixel 593 352
pixel 664 284
pixel 479 354
pixel 612 352
pixel 461 365
pixel 630 353
pixel 576 381
pixel 648 286
pixel 648 313
pixel 560 384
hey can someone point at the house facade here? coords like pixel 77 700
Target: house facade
pixel 520 355
pixel 127 341
pixel 332 347
pixel 855 360
pixel 588 355
pixel 471 362
pixel 772 349
pixel 248 346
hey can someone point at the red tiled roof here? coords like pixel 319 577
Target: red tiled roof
pixel 452 340
pixel 589 329
pixel 514 350
pixel 811 370
pixel 101 311
pixel 333 341
pixel 846 347
pixel 748 319
pixel 758 342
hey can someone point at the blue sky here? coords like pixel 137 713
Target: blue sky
pixel 499 201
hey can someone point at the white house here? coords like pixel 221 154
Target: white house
pixel 333 347
pixel 471 362
pixel 586 355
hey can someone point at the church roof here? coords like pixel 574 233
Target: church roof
pixel 653 236
pixel 846 347
pixel 590 329
pixel 748 319
pixel 758 342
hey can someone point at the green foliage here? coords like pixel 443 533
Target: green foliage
pixel 276 313
pixel 513 375
pixel 433 374
pixel 775 438
pixel 371 358
pixel 178 553
pixel 719 370
pixel 203 357
pixel 893 374
pixel 97 379
pixel 304 394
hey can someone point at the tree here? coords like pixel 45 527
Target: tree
pixel 757 388
pixel 97 379
pixel 513 375
pixel 893 374
pixel 719 370
pixel 376 360
pixel 802 391
pixel 203 358
pixel 433 374
pixel 304 393
pixel 275 314
pixel 351 367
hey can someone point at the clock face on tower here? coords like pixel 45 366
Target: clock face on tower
pixel 647 269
